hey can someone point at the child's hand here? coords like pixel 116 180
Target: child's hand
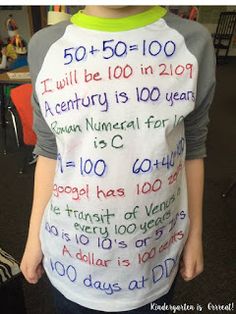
pixel 4 51
pixel 191 263
pixel 31 264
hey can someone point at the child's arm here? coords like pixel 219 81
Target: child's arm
pixel 31 264
pixel 196 128
pixel 3 64
pixel 191 264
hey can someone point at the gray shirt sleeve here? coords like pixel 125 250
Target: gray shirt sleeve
pixel 46 143
pixel 196 123
pixel 199 42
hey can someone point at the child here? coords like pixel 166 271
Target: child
pixel 18 45
pixel 9 56
pixel 121 99
pixel 11 52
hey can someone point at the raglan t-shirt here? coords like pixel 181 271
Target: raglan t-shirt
pixel 120 103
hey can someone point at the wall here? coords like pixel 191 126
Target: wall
pixel 22 20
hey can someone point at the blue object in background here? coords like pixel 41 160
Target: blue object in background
pixel 20 61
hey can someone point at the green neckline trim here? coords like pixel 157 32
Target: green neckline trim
pixel 119 24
